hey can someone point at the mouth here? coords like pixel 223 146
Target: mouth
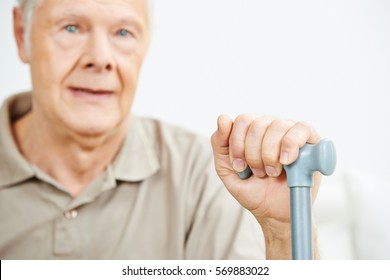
pixel 91 91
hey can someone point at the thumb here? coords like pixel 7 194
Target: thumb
pixel 220 138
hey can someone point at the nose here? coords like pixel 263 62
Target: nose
pixel 98 55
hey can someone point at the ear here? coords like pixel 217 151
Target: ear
pixel 19 29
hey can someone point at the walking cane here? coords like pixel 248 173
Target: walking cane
pixel 320 157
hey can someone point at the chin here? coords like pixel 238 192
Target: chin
pixel 93 131
pixel 95 128
pixel 95 122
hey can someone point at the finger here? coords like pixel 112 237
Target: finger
pixel 220 138
pixel 297 136
pixel 271 146
pixel 237 142
pixel 253 141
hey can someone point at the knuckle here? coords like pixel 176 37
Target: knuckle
pixel 288 142
pixel 243 119
pixel 254 162
pixel 262 121
pixel 303 124
pixel 253 158
pixel 214 140
pixel 257 128
pixel 237 149
pixel 305 128
pixel 269 158
pixel 280 124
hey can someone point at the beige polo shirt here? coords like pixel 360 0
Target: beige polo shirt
pixel 159 199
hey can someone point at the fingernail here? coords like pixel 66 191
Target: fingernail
pixel 259 173
pixel 239 165
pixel 271 171
pixel 284 158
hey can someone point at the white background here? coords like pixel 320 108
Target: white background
pixel 325 62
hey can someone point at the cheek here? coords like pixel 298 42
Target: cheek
pixel 51 64
pixel 128 75
pixel 129 68
pixel 65 52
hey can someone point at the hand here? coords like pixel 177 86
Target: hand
pixel 264 144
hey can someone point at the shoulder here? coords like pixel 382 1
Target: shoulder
pixel 175 141
pixel 185 159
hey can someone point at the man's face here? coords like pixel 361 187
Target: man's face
pixel 85 61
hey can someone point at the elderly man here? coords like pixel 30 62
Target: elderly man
pixel 83 178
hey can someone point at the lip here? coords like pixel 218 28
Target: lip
pixel 91 93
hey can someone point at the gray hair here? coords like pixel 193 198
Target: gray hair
pixel 28 7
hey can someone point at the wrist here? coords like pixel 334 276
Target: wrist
pixel 277 236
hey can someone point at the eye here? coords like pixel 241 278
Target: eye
pixel 124 32
pixel 71 28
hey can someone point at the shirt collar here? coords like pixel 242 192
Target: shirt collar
pixel 14 168
pixel 136 160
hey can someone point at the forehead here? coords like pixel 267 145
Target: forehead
pixel 95 8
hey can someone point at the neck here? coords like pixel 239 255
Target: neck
pixel 73 160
